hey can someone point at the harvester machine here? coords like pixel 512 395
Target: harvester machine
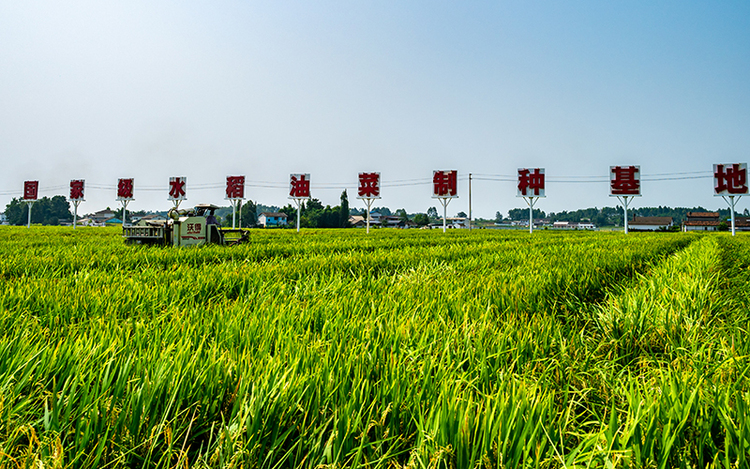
pixel 193 227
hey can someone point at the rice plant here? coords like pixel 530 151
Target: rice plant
pixel 399 349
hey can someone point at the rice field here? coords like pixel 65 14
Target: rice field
pixel 401 349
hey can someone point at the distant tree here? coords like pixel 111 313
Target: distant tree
pixel 385 211
pixel 248 214
pixel 16 212
pixel 421 219
pixel 461 214
pixel 344 211
pixel 330 218
pixel 291 215
pixel 313 205
pixel 523 214
pixel 498 217
pixel 45 211
pixel 432 214
pixel 402 215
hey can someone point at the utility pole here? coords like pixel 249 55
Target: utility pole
pixel 469 201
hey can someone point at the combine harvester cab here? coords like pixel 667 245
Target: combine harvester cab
pixel 194 227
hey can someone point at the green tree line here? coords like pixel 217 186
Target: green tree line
pixel 46 211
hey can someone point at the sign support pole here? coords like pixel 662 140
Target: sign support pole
pixel 299 209
pixel 75 213
pixel 730 200
pixel 30 204
pixel 368 202
pixel 235 208
pixel 531 201
pixel 445 201
pixel 624 200
pixel 124 211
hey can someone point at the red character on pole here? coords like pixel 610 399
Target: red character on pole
pixel 625 180
pixel 444 183
pixel 529 181
pixel 299 186
pixel 177 188
pixel 76 189
pixel 235 187
pixel 369 185
pixel 125 189
pixel 730 179
pixel 30 190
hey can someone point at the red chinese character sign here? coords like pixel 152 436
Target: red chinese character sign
pixel 30 194
pixel 76 190
pixel 369 186
pixel 531 182
pixel 125 189
pixel 368 190
pixel 124 195
pixel 531 188
pixel 299 190
pixel 730 182
pixel 625 180
pixel 76 196
pixel 299 186
pixel 235 187
pixel 177 190
pixel 625 183
pixel 444 184
pixel 445 188
pixel 30 190
pixel 235 194
pixel 730 179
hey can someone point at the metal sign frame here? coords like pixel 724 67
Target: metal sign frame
pixel 528 180
pixel 294 179
pixel 368 199
pixel 736 187
pixel 30 195
pixel 445 179
pixel 77 200
pixel 626 195
pixel 175 197
pixel 233 181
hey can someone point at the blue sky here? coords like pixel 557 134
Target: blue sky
pixel 208 89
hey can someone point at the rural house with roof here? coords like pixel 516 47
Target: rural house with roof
pixel 701 221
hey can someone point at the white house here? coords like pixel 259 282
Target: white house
pixel 650 223
pixel 269 219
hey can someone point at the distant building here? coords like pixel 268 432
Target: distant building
pixel 153 218
pixel 457 222
pixel 392 221
pixel 650 223
pixel 701 221
pixel 101 216
pixel 358 221
pixel 572 225
pixel 375 217
pixel 269 219
pixel 742 223
pixel 3 219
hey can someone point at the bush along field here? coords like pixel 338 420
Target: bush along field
pixel 398 349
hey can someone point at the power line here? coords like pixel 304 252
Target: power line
pixel 571 179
